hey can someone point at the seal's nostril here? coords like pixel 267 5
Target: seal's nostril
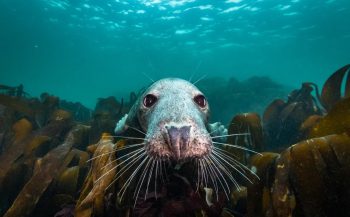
pixel 179 138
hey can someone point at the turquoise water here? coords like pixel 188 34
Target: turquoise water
pixel 81 50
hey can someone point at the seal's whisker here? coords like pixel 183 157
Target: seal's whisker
pixel 129 146
pixel 217 160
pixel 198 80
pixel 228 135
pixel 222 154
pixel 214 131
pixel 133 128
pixel 235 161
pixel 218 169
pixel 133 154
pixel 120 173
pixel 122 170
pixel 143 175
pixel 95 182
pixel 227 160
pixel 197 166
pixel 237 146
pixel 213 177
pixel 226 171
pixel 133 175
pixel 155 178
pixel 231 156
pixel 195 71
pixel 115 150
pixel 201 181
pixel 147 76
pixel 218 173
pixel 128 137
pixel 149 177
pixel 204 173
pixel 235 168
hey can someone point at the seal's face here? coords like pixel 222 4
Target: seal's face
pixel 174 113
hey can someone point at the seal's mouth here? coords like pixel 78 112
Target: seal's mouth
pixel 179 143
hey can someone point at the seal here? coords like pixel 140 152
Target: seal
pixel 173 114
pixel 179 149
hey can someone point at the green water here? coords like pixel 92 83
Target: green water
pixel 84 49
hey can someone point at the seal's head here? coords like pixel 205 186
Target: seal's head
pixel 174 115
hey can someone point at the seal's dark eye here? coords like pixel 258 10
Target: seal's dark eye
pixel 149 100
pixel 200 100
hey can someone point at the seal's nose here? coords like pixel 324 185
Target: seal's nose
pixel 179 138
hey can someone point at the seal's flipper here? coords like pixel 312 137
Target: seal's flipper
pixel 121 125
pixel 127 120
pixel 217 129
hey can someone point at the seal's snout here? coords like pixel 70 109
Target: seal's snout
pixel 178 139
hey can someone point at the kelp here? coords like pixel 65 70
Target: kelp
pixel 331 91
pixel 282 120
pixel 335 122
pixel 258 193
pixel 47 169
pixel 18 105
pixel 22 130
pixel 311 178
pixel 308 125
pixel 44 175
pixel 282 197
pixel 101 174
pixel 249 126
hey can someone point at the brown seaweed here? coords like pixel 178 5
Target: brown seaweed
pixel 282 121
pixel 50 166
pixel 336 121
pixel 22 130
pixel 258 193
pixel 250 124
pixel 99 178
pixel 309 179
pixel 331 91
